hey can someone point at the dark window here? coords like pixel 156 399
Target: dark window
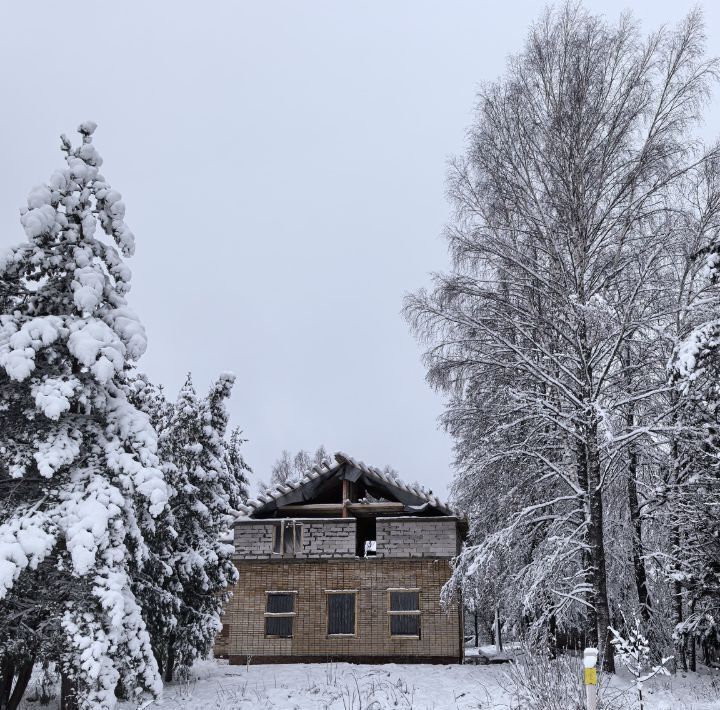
pixel 279 626
pixel 404 601
pixel 279 614
pixel 287 538
pixel 280 603
pixel 404 625
pixel 341 613
pixel 404 612
pixel 225 631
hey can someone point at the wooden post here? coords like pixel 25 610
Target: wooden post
pixel 590 663
pixel 345 495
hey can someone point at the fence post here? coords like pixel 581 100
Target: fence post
pixel 590 661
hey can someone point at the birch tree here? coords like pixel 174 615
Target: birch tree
pixel 562 212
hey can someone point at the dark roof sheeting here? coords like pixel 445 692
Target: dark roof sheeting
pixel 346 467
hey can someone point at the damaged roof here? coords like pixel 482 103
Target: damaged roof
pixel 304 490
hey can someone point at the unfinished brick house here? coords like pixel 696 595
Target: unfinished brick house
pixel 346 564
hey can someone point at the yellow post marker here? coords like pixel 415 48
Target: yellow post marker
pixel 590 663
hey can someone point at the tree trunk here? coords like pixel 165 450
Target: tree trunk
pixel 693 654
pixel 475 621
pixel 676 587
pixel 635 520
pixel 68 693
pixel 21 684
pixel 597 552
pixel 637 546
pixel 693 646
pixel 7 674
pixel 170 661
pixel 677 606
pixel 552 637
pixel 498 631
pixel 590 630
pixel 120 691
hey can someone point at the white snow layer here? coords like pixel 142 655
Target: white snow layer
pixel 339 686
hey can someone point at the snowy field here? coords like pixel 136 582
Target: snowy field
pixel 215 685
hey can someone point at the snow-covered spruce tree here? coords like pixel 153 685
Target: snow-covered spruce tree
pixel 563 210
pixel 155 585
pixel 208 483
pixel 167 585
pixel 79 474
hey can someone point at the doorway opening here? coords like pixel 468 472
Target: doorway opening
pixel 365 537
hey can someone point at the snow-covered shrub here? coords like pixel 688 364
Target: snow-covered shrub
pixel 633 650
pixel 536 682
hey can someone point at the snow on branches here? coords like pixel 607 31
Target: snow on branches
pixel 79 462
pixel 191 564
pixel 580 206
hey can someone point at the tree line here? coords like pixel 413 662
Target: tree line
pixel 114 501
pixel 574 337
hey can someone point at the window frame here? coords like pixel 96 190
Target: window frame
pixel 280 614
pixel 328 593
pixel 279 534
pixel 404 612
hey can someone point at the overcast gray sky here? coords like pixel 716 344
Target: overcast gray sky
pixel 283 167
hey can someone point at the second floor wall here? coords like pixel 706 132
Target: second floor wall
pixel 397 537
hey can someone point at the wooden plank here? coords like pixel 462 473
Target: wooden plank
pixel 387 507
pixel 345 495
pixel 360 508
pixel 313 508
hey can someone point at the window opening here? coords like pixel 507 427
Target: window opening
pixel 341 613
pixel 279 614
pixel 287 538
pixel 404 612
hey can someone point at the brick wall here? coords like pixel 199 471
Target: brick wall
pixel 417 537
pixel 328 538
pixel 254 539
pixel 335 537
pixel 321 537
pixel 245 623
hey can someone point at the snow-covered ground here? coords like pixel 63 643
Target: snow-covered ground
pixel 215 685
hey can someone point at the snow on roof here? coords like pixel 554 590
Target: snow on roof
pixel 326 467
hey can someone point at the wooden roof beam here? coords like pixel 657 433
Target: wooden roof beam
pixel 386 507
